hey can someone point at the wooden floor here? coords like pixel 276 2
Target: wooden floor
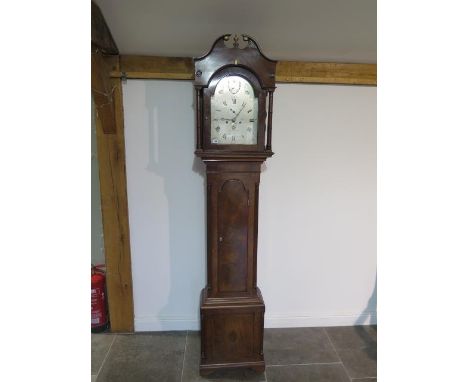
pixel 334 354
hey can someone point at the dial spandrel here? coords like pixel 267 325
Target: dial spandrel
pixel 234 112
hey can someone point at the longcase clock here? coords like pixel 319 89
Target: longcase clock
pixel 234 85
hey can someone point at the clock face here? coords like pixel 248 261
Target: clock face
pixel 234 112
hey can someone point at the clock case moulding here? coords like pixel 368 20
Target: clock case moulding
pixel 231 305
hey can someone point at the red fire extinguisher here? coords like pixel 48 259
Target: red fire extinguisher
pixel 98 299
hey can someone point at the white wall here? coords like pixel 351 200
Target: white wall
pixel 317 223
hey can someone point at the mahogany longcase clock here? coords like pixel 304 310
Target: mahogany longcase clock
pixel 234 85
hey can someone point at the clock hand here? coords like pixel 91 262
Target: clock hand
pixel 227 119
pixel 242 108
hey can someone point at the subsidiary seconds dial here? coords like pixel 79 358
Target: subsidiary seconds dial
pixel 234 112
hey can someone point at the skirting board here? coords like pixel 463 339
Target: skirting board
pixel 162 323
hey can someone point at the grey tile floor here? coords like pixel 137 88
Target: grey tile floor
pixel 334 354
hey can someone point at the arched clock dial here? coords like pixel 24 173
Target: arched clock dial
pixel 234 112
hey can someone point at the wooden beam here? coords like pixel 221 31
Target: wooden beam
pixel 107 96
pixel 101 37
pixel 102 43
pixel 102 90
pixel 181 68
pixel 326 73
pixel 113 182
pixel 152 67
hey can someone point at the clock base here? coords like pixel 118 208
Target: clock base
pixel 206 370
pixel 231 332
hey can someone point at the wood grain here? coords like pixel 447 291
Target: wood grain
pixel 153 67
pixel 101 37
pixel 326 73
pixel 107 96
pixel 181 68
pixel 102 90
pixel 113 184
pixel 233 221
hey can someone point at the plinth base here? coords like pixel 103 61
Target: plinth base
pixel 231 333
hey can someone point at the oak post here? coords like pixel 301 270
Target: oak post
pixel 107 96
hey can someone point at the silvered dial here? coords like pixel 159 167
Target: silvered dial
pixel 234 112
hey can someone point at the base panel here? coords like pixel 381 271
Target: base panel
pixel 208 369
pixel 231 333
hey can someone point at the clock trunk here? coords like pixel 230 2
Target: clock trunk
pixel 232 306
